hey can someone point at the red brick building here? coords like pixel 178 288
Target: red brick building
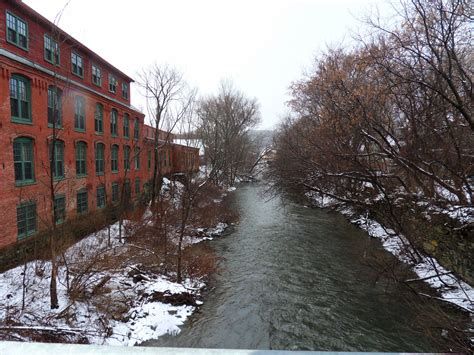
pixel 50 80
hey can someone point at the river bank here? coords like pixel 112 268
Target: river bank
pixel 115 286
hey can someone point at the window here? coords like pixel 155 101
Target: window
pixel 125 90
pixel 136 129
pixel 23 160
pixel 59 209
pixel 99 158
pixel 96 75
pixel 77 64
pixel 112 83
pixel 82 205
pixel 79 114
pixel 127 190
pixel 100 197
pixel 113 122
pixel 58 159
pixel 20 99
pixel 149 159
pixel 114 160
pixel 126 125
pixel 137 158
pixel 99 119
pixel 17 31
pixel 51 50
pixel 54 107
pixel 115 192
pixel 26 219
pixel 126 157
pixel 137 185
pixel 81 161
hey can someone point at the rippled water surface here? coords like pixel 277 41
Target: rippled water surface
pixel 295 278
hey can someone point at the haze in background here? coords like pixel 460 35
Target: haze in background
pixel 261 45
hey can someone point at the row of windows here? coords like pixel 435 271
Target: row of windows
pixel 27 215
pixel 23 158
pixel 17 34
pixel 20 105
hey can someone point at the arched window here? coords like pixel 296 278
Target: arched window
pixel 23 160
pixel 81 159
pixel 126 125
pixel 136 129
pixel 113 122
pixel 99 118
pixel 54 106
pixel 126 157
pixel 99 158
pixel 79 114
pixel 57 158
pixel 137 158
pixel 20 99
pixel 114 158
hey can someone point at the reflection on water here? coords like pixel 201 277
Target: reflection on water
pixel 295 278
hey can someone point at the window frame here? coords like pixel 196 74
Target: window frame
pixel 79 203
pixel 75 64
pixel 63 209
pixel 136 129
pixel 55 50
pixel 23 141
pixel 115 194
pixel 113 83
pixel 19 107
pixel 29 230
pixel 126 158
pixel 100 197
pixel 58 153
pixel 56 94
pixel 137 186
pixel 99 159
pixel 99 119
pixel 16 42
pixel 81 146
pixel 114 157
pixel 114 122
pixel 97 70
pixel 126 125
pixel 125 90
pixel 136 158
pixel 79 116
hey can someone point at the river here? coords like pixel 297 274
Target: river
pixel 293 277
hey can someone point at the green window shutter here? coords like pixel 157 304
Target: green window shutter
pixel 23 160
pixel 17 31
pixel 126 125
pixel 100 197
pixel 79 114
pixel 20 99
pixel 59 209
pixel 114 160
pixel 26 219
pixel 99 159
pixel 58 159
pixel 82 201
pixel 81 161
pixel 99 118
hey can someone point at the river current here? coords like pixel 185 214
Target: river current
pixel 292 278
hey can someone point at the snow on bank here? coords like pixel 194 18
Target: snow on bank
pixel 451 289
pixel 122 312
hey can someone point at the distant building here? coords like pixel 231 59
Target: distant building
pixel 47 78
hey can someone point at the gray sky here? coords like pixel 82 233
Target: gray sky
pixel 261 45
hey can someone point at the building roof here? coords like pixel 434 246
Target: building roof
pixel 23 7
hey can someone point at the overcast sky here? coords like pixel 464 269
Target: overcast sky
pixel 261 45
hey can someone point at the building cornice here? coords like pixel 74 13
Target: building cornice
pixel 15 57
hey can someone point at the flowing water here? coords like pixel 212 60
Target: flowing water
pixel 297 278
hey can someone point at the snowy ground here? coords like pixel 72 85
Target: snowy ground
pixel 136 314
